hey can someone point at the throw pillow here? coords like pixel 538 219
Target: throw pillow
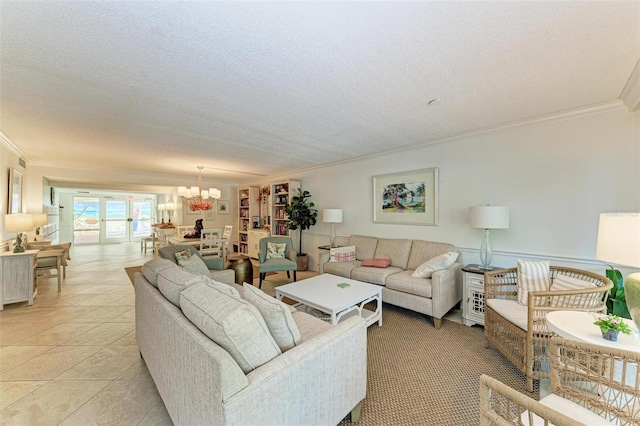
pixel 277 315
pixel 532 276
pixel 342 254
pixel 192 263
pixel 563 283
pixel 232 323
pixel 442 261
pixel 377 263
pixel 152 268
pixel 276 250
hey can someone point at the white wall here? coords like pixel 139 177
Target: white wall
pixel 555 176
pixel 9 159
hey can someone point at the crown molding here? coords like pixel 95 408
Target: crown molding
pixel 631 93
pixel 12 147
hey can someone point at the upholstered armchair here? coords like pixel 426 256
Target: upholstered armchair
pixel 276 260
pixel 216 265
pixel 520 332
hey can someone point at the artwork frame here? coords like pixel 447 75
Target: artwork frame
pixel 223 206
pixel 390 193
pixel 15 192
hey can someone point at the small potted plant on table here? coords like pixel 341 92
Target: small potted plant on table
pixel 611 325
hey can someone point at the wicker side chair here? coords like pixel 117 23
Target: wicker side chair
pixel 602 379
pixel 527 347
pixel 501 405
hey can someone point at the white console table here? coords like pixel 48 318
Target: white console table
pixel 17 275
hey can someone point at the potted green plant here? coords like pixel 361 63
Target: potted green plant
pixel 301 215
pixel 611 325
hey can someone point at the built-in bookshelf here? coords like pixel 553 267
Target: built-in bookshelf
pixel 248 208
pixel 281 193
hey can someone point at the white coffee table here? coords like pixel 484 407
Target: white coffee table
pixel 322 293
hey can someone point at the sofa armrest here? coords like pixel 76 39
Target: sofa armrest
pixel 214 264
pixel 327 374
pixel 324 258
pixel 227 276
pixel 446 289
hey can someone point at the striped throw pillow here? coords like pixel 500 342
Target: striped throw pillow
pixel 342 254
pixel 532 276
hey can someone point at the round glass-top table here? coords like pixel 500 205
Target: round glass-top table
pixel 578 325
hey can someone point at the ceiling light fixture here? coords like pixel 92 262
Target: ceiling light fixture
pixel 198 199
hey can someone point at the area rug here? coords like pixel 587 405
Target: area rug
pixel 420 375
pixel 131 270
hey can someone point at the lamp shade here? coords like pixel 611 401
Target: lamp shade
pixel 332 215
pixel 18 222
pixel 619 239
pixel 40 219
pixel 489 217
pixel 162 207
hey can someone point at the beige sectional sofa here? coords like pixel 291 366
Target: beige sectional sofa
pixel 434 296
pixel 318 381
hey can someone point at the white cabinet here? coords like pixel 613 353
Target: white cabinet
pixel 473 297
pixel 253 242
pixel 17 273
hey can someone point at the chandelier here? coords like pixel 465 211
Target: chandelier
pixel 198 199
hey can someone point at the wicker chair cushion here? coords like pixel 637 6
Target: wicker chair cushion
pixel 564 282
pixel 573 410
pixel 532 276
pixel 510 310
pixel 442 261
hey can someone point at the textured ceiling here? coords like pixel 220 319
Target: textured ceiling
pixel 268 87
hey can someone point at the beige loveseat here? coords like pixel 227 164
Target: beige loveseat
pixel 318 381
pixel 433 296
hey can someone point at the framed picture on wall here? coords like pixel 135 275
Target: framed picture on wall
pixel 406 198
pixel 15 192
pixel 223 206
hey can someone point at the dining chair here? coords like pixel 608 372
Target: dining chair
pixel 47 261
pixel 211 244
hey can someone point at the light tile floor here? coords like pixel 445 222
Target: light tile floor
pixel 72 358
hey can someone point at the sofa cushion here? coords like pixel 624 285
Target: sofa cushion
pixel 151 269
pixel 510 310
pixel 365 246
pixel 309 325
pixel 234 324
pixel 377 263
pixel 229 289
pixel 342 269
pixel 373 275
pixel 532 276
pixel 276 314
pixel 403 281
pixel 342 254
pixel 421 251
pixel 395 249
pixel 172 281
pixel 192 262
pixel 442 261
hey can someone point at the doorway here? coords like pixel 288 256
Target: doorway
pixel 111 219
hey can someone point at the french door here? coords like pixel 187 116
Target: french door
pixel 111 219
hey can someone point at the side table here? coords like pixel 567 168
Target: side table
pixel 242 267
pixel 473 294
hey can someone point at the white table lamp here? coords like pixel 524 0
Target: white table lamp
pixel 619 243
pixel 18 223
pixel 332 216
pixel 488 217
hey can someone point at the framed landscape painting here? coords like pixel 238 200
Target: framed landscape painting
pixel 406 198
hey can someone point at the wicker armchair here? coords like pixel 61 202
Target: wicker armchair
pixel 503 406
pixel 604 382
pixel 528 349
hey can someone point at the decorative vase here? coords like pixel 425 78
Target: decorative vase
pixel 610 335
pixel 632 295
